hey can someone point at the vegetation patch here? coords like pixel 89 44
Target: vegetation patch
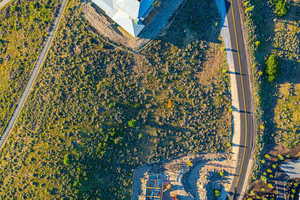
pixel 274 43
pixel 280 7
pixel 97 113
pixel 272 67
pixel 273 176
pixel 23 29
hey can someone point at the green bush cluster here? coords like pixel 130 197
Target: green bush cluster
pixel 268 169
pixel 272 67
pixel 280 7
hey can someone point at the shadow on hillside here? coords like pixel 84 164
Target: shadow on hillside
pixel 289 69
pixel 294 9
pixel 190 179
pixel 264 21
pixel 191 23
pixel 214 184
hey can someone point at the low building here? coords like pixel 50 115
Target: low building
pixel 129 14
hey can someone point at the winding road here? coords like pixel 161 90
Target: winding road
pixel 4 3
pixel 34 75
pixel 247 125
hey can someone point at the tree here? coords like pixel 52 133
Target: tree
pixel 264 179
pixel 132 123
pixel 267 156
pixel 272 67
pixel 280 157
pixel 280 8
pixel 221 173
pixel 269 170
pixel 156 4
pixel 217 193
pixel 249 9
pixel 257 43
pixel 67 159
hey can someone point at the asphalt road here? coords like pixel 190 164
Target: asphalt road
pixel 248 130
pixel 33 76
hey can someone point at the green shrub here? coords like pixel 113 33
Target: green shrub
pixel 221 173
pixel 217 193
pixel 272 67
pixel 264 179
pixel 280 8
pixel 257 43
pixel 280 157
pixel 267 156
pixel 249 9
pixel 132 123
pixel 67 159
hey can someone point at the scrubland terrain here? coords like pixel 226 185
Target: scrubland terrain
pixel 97 113
pixel 23 29
pixel 274 37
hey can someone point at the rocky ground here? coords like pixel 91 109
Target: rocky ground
pixel 192 177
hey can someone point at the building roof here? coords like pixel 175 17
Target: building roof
pixel 127 13
pixel 292 168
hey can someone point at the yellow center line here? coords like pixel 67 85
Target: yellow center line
pixel 243 89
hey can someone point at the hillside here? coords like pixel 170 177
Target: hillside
pixel 97 113
pixel 23 30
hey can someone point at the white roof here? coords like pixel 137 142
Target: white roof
pixel 130 7
pixel 126 12
pixel 127 23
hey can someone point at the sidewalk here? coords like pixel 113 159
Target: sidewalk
pixel 233 84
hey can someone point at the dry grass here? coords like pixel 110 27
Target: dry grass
pixel 215 62
pixel 21 39
pixel 104 27
pixel 287 113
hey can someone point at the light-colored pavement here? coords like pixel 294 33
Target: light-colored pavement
pixel 233 80
pixel 33 76
pixel 225 34
pixel 4 3
pixel 247 122
pixel 242 104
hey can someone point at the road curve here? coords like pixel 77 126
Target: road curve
pixel 33 77
pixel 243 71
pixel 4 3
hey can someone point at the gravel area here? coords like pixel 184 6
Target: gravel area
pixel 191 177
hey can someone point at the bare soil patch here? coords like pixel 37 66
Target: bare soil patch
pixel 189 177
pixel 105 27
pixel 214 62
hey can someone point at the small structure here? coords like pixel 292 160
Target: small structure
pixel 292 169
pixel 129 14
pixel 154 187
